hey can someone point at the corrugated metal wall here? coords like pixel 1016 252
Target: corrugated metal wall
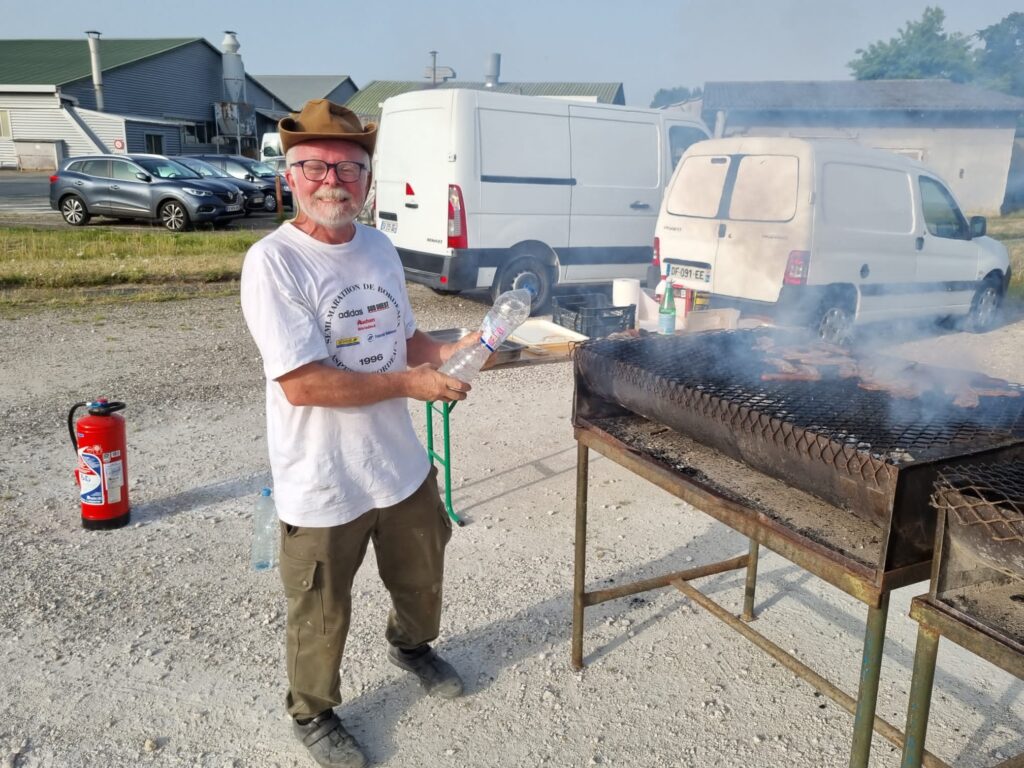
pixel 183 83
pixel 38 117
pixel 137 137
pixel 106 127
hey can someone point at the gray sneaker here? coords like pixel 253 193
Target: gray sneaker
pixel 436 675
pixel 328 742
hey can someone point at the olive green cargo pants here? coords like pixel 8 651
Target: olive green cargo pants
pixel 318 566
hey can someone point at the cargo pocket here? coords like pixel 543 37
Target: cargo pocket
pixel 305 602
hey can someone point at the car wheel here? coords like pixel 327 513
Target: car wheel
pixel 270 203
pixel 985 307
pixel 528 273
pixel 174 216
pixel 835 324
pixel 73 209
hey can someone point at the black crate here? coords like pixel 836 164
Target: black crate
pixel 592 314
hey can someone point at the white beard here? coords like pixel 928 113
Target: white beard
pixel 328 209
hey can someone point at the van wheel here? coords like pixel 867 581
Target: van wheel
pixel 528 273
pixel 835 325
pixel 984 307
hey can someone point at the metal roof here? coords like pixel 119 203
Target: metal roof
pixel 366 103
pixel 296 90
pixel 57 62
pixel 850 95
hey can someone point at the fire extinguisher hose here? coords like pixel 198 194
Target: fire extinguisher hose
pixel 71 424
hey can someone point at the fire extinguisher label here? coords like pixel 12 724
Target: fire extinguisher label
pixel 90 475
pixel 115 479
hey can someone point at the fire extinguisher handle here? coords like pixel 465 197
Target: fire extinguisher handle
pixel 71 423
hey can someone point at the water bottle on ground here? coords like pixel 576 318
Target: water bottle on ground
pixel 507 314
pixel 265 533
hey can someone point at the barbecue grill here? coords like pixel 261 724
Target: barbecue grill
pixel 825 463
pixel 976 597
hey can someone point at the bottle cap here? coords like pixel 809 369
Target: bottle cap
pixel 265 492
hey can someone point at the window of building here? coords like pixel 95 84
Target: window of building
pixel 196 133
pixel 5 124
pixel 154 144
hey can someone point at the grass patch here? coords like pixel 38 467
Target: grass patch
pixel 82 258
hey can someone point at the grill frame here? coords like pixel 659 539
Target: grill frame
pixel 892 494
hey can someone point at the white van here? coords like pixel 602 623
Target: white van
pixel 270 146
pixel 827 233
pixel 490 190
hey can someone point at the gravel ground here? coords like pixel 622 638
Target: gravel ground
pixel 155 645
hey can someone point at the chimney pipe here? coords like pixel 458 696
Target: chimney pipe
pixel 97 71
pixel 493 70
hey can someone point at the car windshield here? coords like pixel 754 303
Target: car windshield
pixel 203 168
pixel 261 169
pixel 165 168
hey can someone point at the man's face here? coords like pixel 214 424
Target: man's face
pixel 330 202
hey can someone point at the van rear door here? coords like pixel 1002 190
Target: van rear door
pixel 411 172
pixel 759 227
pixel 617 166
pixel 689 225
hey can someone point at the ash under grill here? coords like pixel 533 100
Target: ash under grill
pixel 979 571
pixel 867 448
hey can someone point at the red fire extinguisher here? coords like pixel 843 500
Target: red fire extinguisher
pixel 102 471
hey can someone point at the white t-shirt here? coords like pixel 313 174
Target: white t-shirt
pixel 346 305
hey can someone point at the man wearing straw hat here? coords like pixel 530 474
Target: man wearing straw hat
pixel 325 300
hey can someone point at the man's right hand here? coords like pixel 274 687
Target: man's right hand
pixel 428 384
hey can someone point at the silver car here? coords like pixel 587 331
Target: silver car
pixel 141 187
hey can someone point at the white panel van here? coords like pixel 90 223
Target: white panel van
pixel 827 233
pixel 490 190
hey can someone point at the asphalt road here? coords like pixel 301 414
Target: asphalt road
pixel 22 192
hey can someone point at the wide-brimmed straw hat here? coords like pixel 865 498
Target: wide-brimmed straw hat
pixel 323 119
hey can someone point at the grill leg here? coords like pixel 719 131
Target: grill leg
pixel 580 561
pixel 748 592
pixel 920 696
pixel 867 694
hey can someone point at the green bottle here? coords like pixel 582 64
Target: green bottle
pixel 667 311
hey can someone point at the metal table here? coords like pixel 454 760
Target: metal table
pixel 760 527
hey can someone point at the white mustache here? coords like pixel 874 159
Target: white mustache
pixel 337 195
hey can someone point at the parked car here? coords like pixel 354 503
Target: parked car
pixel 254 196
pixel 245 168
pixel 140 187
pixel 826 233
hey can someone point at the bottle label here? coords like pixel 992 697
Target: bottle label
pixel 666 324
pixel 492 333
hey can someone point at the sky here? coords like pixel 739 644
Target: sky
pixel 644 44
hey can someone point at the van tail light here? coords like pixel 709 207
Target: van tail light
pixel 656 260
pixel 53 179
pixel 797 265
pixel 456 218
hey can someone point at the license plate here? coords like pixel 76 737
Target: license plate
pixel 232 208
pixel 389 226
pixel 684 272
pixel 258 200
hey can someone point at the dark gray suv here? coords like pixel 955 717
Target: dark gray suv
pixel 141 187
pixel 246 168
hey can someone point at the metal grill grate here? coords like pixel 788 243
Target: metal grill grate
pixel 987 495
pixel 721 375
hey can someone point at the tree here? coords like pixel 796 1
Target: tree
pixel 921 50
pixel 1000 62
pixel 666 96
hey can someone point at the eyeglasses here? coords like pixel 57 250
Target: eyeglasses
pixel 317 170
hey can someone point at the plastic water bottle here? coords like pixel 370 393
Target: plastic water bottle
pixel 264 533
pixel 507 314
